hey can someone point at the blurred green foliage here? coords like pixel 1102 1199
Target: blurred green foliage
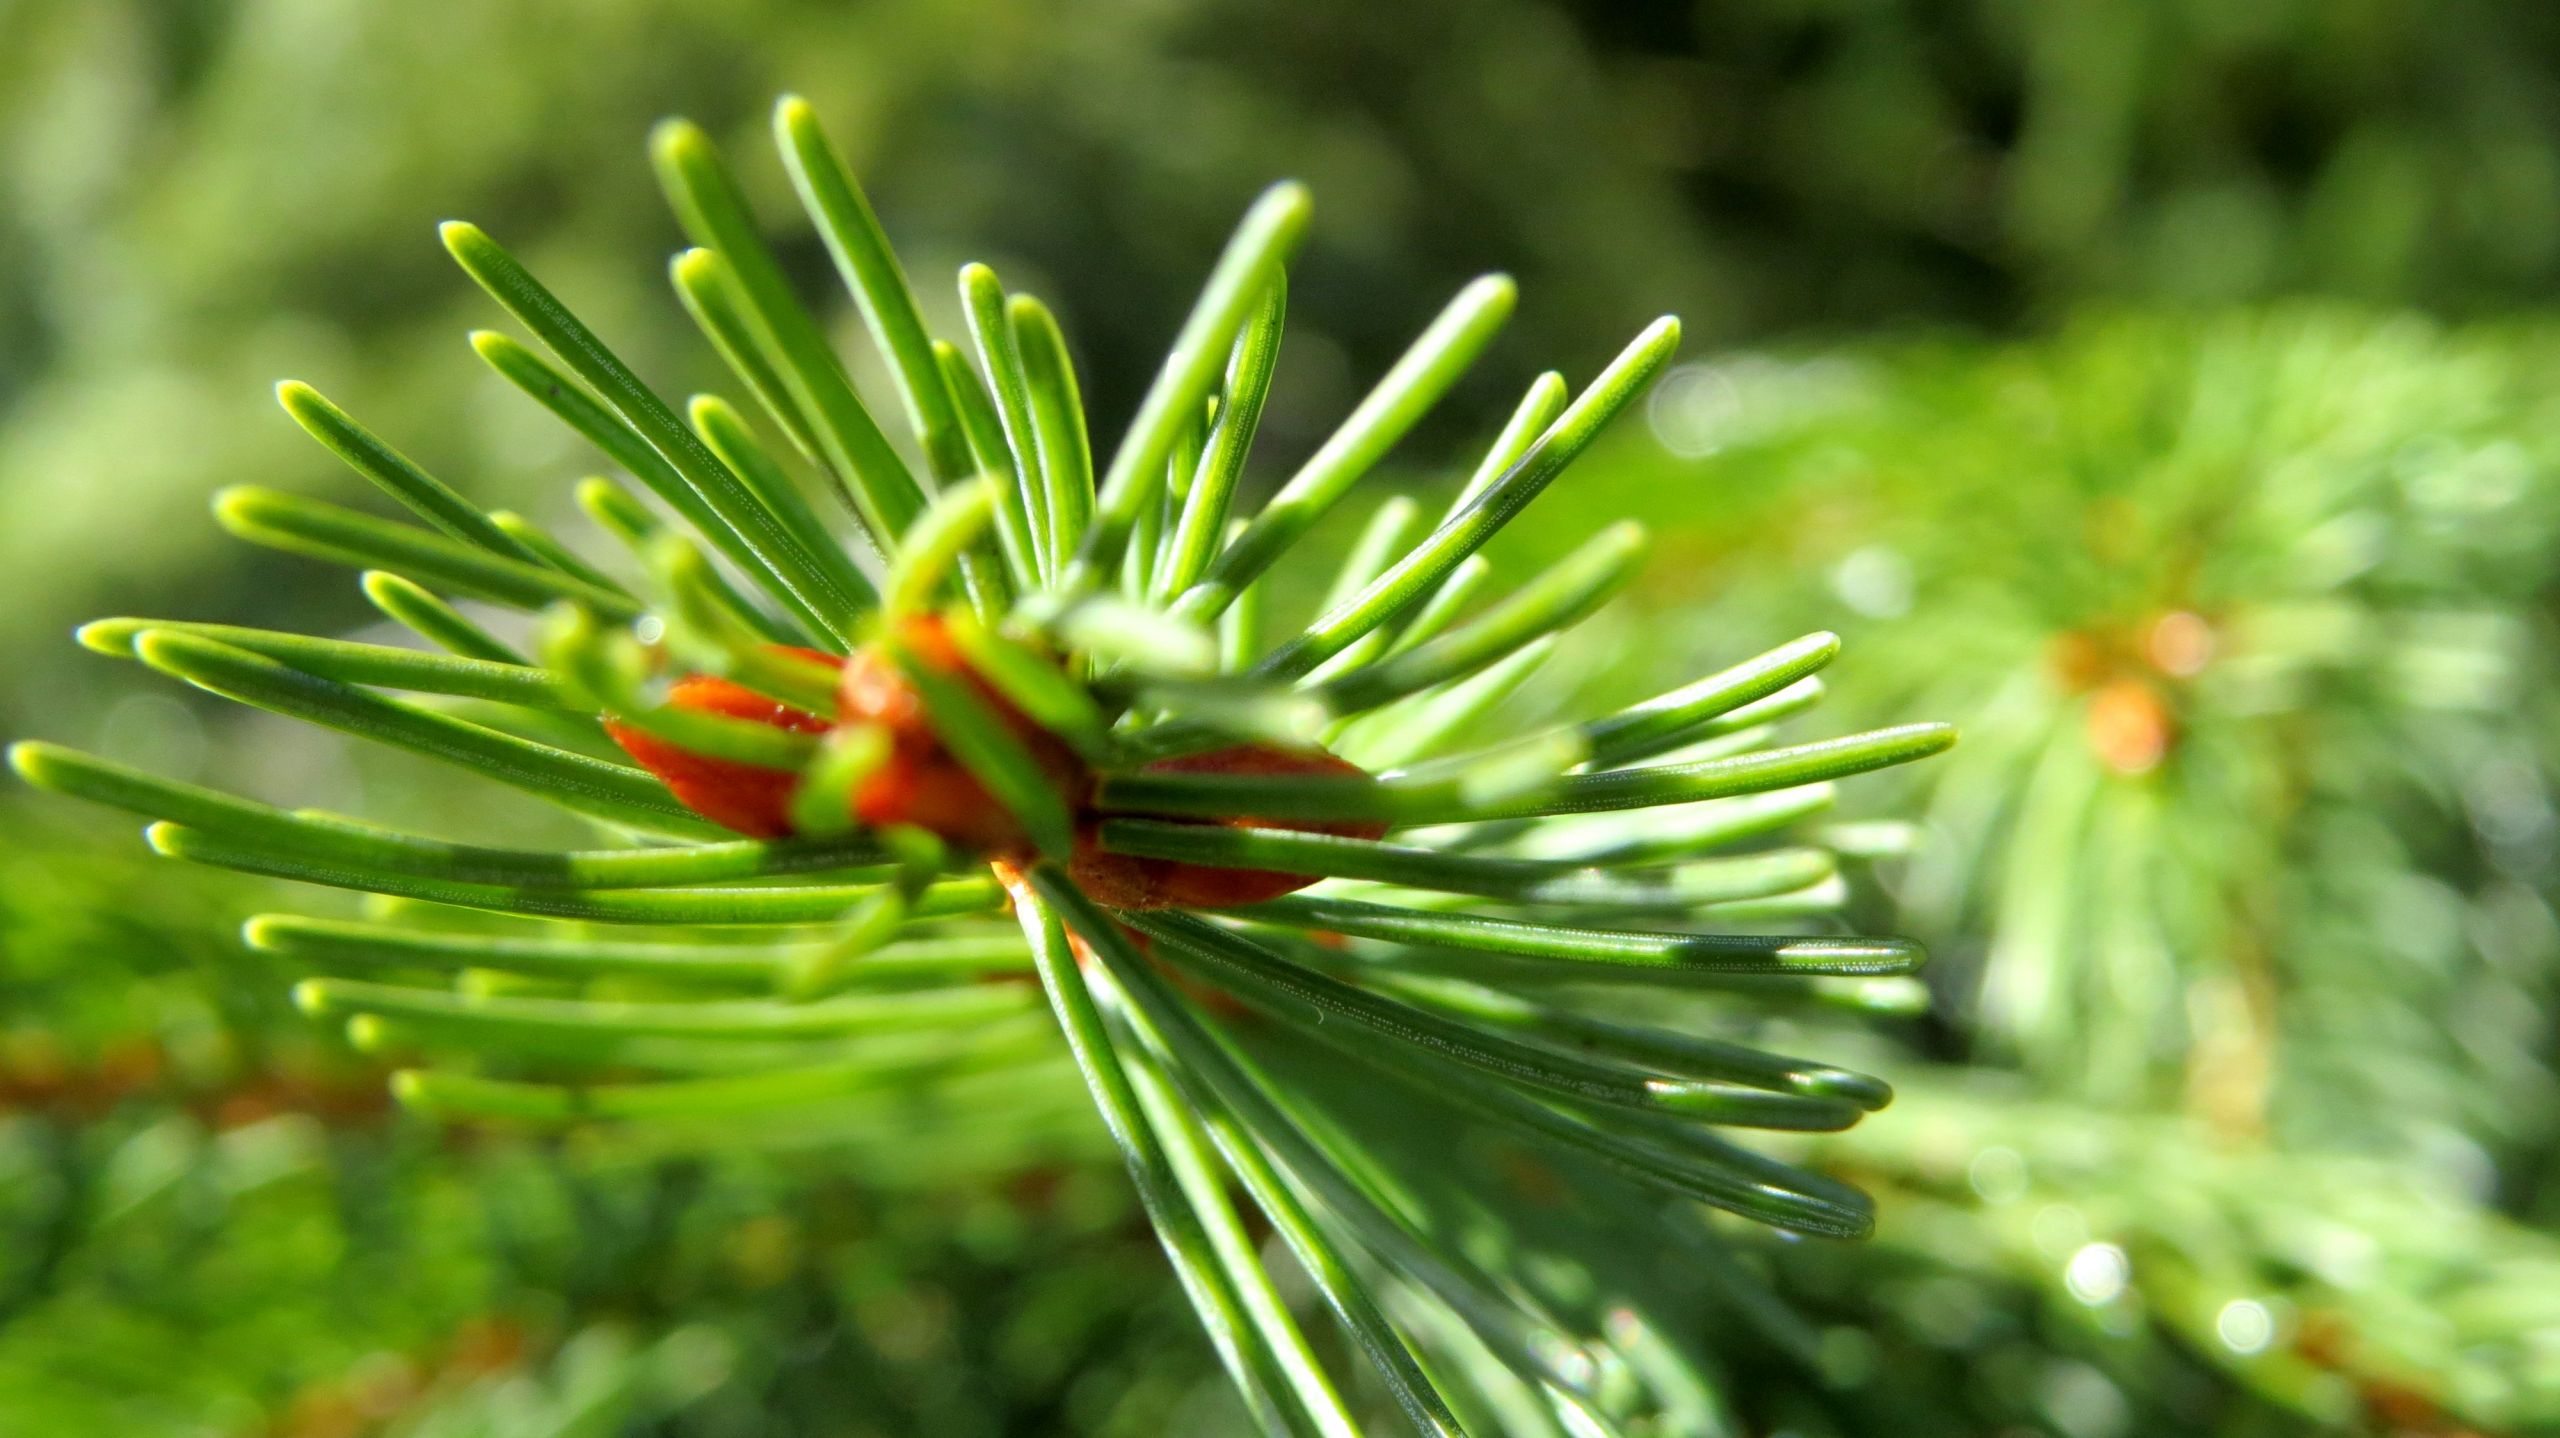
pixel 2245 866
pixel 2247 859
pixel 2250 619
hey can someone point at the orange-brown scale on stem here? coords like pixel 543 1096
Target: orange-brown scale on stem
pixel 1125 881
pixel 753 800
pixel 922 783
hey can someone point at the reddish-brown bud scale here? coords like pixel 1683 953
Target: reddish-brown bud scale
pixel 922 783
pixel 753 800
pixel 1125 881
